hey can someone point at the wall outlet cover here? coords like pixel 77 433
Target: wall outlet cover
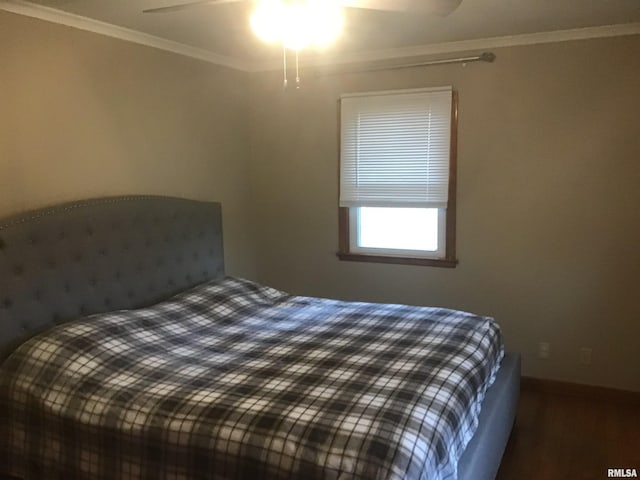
pixel 544 350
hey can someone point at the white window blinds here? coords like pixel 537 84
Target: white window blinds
pixel 395 148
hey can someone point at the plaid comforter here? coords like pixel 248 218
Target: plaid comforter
pixel 236 380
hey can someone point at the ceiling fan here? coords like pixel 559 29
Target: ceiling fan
pixel 296 24
pixel 299 23
pixel 432 7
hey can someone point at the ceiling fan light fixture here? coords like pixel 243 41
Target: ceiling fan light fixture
pixel 267 20
pixel 327 21
pixel 297 23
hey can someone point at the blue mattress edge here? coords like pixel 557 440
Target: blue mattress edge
pixel 481 459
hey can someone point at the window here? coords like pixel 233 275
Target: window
pixel 397 177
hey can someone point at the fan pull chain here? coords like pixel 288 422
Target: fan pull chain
pixel 284 64
pixel 297 72
pixel 285 81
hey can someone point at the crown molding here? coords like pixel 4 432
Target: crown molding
pixel 53 15
pixel 481 44
pixel 79 22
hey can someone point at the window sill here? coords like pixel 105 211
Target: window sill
pixel 425 262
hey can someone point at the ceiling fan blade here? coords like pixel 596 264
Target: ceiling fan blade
pixel 432 7
pixel 184 6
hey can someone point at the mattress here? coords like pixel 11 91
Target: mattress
pixel 482 457
pixel 234 380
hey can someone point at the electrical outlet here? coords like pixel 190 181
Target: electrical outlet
pixel 544 350
pixel 585 355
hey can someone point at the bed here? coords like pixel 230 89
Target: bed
pixel 129 354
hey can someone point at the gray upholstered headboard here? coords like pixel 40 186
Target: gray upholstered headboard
pixel 92 256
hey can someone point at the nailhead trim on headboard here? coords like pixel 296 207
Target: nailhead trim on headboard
pixel 36 214
pixel 86 257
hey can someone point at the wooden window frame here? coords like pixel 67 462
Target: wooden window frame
pixel 449 260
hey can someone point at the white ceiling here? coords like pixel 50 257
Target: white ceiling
pixel 224 29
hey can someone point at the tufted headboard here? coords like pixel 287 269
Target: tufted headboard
pixel 93 256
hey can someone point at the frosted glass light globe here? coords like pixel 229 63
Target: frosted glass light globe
pixel 297 23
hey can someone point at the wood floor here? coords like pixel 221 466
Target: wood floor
pixel 566 437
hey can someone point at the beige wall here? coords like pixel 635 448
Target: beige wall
pixel 548 198
pixel 549 168
pixel 83 115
